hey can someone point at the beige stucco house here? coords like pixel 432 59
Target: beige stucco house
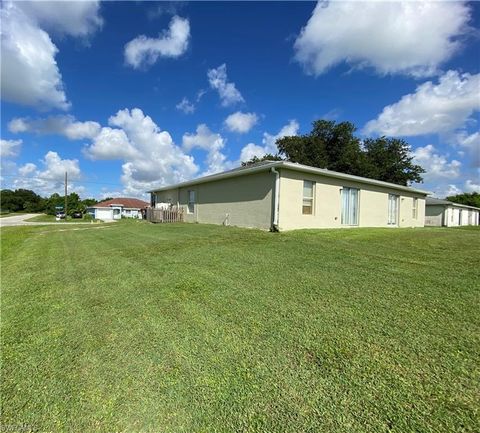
pixel 448 214
pixel 281 195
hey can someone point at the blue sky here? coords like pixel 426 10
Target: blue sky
pixel 126 96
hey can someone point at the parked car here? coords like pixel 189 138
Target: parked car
pixel 60 216
pixel 77 215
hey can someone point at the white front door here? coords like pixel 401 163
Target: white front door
pixel 117 213
pixel 392 209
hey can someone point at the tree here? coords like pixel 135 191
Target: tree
pixel 21 200
pixel 390 160
pixel 87 203
pixel 303 149
pixel 8 202
pixel 256 159
pixel 334 146
pixel 329 145
pixel 468 199
pixel 73 203
pixel 55 200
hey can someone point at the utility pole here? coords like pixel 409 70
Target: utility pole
pixel 65 210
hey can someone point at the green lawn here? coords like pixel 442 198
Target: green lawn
pixel 134 327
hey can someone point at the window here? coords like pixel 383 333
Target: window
pixel 392 209
pixel 349 206
pixel 415 209
pixel 308 192
pixel 191 201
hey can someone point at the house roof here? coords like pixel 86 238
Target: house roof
pixel 267 165
pixel 432 201
pixel 132 203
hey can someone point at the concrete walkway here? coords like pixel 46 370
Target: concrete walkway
pixel 19 220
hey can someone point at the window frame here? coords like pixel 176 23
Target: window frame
pixel 415 208
pixel 397 210
pixel 311 199
pixel 345 213
pixel 191 204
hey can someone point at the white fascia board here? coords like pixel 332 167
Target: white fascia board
pixel 291 166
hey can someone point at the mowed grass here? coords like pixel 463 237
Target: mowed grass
pixel 134 327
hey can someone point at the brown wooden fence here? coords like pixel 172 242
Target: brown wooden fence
pixel 173 215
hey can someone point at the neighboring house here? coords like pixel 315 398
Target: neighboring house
pixel 282 195
pixel 446 213
pixel 117 208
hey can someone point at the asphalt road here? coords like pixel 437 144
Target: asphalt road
pixel 19 220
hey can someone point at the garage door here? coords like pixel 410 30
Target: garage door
pixel 104 214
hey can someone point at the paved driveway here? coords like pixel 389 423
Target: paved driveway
pixel 19 220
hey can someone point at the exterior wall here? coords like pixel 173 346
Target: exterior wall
pixel 373 203
pixel 107 214
pixel 131 213
pixel 437 216
pixel 451 216
pixel 243 201
pixel 456 216
pixel 104 214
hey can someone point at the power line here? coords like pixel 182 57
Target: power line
pixel 56 180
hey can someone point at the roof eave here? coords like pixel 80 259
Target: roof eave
pixel 338 175
pixel 218 176
pixel 296 167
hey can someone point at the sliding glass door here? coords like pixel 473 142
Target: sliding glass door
pixel 350 206
pixel 392 209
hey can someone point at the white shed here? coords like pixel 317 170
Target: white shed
pixel 448 214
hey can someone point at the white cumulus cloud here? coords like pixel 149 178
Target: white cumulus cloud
pixel 55 167
pixel 432 108
pixel 75 18
pixel 229 94
pixel 30 74
pixel 211 142
pixel 412 38
pixel 150 157
pixel 9 148
pixel 471 144
pixel 171 43
pixel 269 142
pixel 471 186
pixel 186 106
pixel 110 144
pixel 436 165
pixel 49 178
pixel 65 125
pixel 251 150
pixel 27 169
pixel 241 122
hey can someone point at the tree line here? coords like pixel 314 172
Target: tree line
pixel 468 199
pixel 329 145
pixel 25 200
pixel 335 146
